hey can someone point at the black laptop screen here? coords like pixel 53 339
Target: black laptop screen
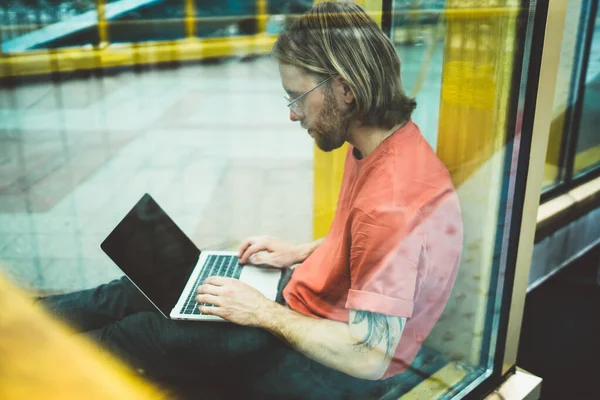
pixel 153 252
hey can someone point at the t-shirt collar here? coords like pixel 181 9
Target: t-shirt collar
pixel 383 146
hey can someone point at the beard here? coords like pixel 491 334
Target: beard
pixel 332 126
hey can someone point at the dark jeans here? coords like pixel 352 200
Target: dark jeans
pixel 219 357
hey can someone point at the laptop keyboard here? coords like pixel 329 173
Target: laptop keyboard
pixel 215 265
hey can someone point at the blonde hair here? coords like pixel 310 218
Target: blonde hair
pixel 337 38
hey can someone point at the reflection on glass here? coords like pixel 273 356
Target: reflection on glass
pixel 563 103
pixel 462 86
pixel 145 21
pixel 418 31
pixel 279 10
pixel 218 18
pixel 43 24
pixel 588 144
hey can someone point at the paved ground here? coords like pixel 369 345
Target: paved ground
pixel 212 143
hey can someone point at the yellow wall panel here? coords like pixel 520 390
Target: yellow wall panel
pixel 327 175
pixel 476 87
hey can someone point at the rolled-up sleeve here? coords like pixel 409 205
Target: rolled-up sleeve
pixel 385 267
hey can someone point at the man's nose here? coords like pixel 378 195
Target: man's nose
pixel 294 116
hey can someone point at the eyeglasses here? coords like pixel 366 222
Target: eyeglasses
pixel 294 104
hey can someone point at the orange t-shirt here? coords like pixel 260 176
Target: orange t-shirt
pixel 394 245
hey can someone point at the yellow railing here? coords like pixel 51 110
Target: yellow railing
pixel 109 55
pixel 41 62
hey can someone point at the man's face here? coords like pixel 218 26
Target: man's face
pixel 320 112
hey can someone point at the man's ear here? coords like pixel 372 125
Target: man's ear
pixel 347 93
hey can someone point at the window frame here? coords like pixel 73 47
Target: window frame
pixel 566 180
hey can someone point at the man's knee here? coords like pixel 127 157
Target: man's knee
pixel 139 339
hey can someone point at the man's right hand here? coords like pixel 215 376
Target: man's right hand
pixel 267 250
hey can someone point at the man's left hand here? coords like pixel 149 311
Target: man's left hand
pixel 235 301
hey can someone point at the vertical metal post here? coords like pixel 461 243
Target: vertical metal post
pixel 261 16
pixel 102 24
pixel 190 19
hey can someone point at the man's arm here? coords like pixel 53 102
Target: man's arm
pixel 306 249
pixel 363 348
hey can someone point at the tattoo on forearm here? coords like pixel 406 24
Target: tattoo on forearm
pixel 380 328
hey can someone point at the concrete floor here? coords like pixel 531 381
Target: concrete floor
pixel 211 143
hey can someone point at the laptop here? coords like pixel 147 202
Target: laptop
pixel 166 266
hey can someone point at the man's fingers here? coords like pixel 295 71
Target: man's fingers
pixel 262 259
pixel 209 289
pixel 218 311
pixel 254 248
pixel 245 245
pixel 208 299
pixel 218 281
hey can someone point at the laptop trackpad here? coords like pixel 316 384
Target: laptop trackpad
pixel 265 280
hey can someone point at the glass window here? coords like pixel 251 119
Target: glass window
pixel 588 142
pixel 564 98
pixel 281 10
pixel 570 124
pixel 453 67
pixel 41 24
pixel 418 31
pixel 214 146
pixel 215 18
pixel 145 21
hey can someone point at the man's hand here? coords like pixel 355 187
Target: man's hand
pixel 277 253
pixel 235 301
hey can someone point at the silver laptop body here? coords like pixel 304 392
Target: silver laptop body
pixel 167 267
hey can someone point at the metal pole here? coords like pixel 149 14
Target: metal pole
pixel 190 18
pixel 262 15
pixel 102 24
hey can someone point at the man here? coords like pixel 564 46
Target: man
pixel 363 299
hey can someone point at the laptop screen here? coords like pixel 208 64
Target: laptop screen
pixel 153 252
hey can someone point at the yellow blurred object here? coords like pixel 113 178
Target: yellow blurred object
pixel 42 359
